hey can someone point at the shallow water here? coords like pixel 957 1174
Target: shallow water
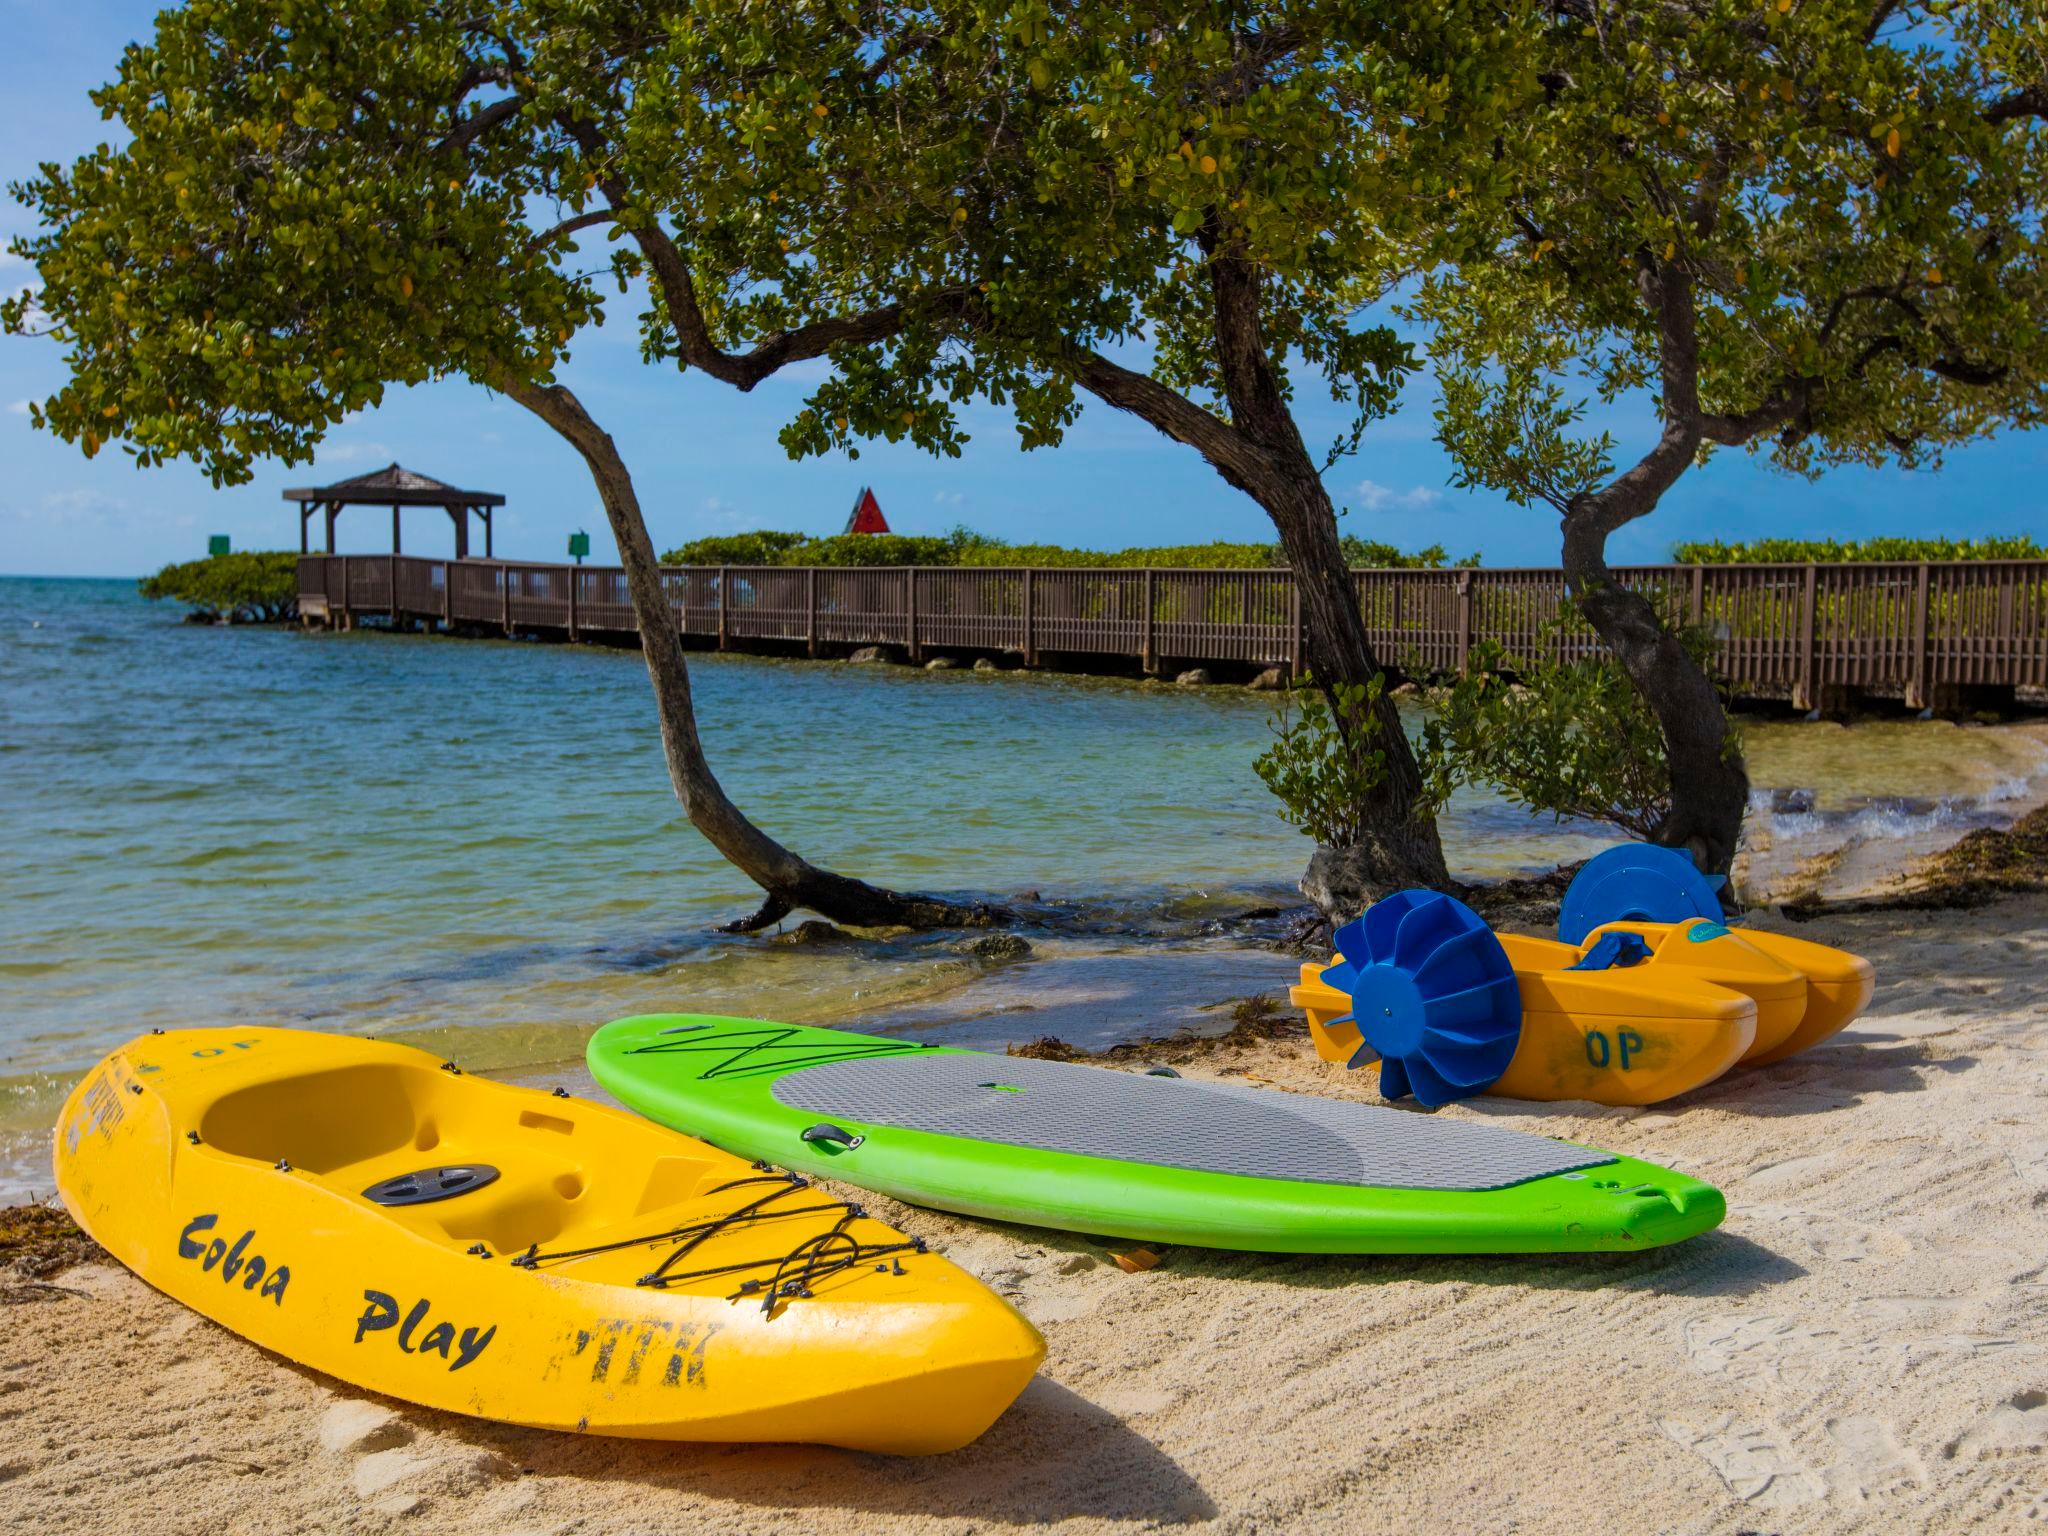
pixel 473 844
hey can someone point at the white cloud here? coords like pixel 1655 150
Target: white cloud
pixel 18 408
pixel 356 453
pixel 808 370
pixel 80 508
pixel 1374 497
pixel 949 499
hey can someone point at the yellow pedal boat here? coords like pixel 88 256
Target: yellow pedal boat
pixel 492 1250
pixel 1639 1012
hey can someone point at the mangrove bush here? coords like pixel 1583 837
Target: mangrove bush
pixel 1824 551
pixel 964 547
pixel 256 587
pixel 1571 738
pixel 1327 759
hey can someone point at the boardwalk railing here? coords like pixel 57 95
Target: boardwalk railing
pixel 1920 630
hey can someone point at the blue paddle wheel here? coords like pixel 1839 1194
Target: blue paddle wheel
pixel 1637 883
pixel 1432 994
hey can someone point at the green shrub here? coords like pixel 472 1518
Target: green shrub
pixel 963 547
pixel 257 587
pixel 1822 551
pixel 1573 738
pixel 1324 776
pixel 763 548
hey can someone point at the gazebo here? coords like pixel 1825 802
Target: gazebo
pixel 396 487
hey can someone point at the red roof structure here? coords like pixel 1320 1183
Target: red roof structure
pixel 866 516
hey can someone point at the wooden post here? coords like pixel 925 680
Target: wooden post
pixel 1293 628
pixel 574 572
pixel 394 588
pixel 396 547
pixel 344 592
pixel 305 543
pixel 1699 595
pixel 910 611
pixel 1464 635
pixel 1030 628
pixel 1917 694
pixel 811 609
pixel 505 595
pixel 1803 691
pixel 487 531
pixel 724 575
pixel 1149 651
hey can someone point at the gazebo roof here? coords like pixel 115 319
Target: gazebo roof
pixel 395 486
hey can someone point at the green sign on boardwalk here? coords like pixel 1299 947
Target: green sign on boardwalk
pixel 579 546
pixel 217 544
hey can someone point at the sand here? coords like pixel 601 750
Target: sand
pixel 1863 1346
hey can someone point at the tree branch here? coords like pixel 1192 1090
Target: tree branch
pixel 570 226
pixel 1238 460
pixel 2028 101
pixel 481 122
pixel 677 285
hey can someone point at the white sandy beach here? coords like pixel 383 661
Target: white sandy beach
pixel 1863 1346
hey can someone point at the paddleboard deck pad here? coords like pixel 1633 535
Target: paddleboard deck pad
pixel 1123 1154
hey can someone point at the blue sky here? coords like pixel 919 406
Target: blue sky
pixel 706 460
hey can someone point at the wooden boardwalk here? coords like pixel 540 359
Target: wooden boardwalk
pixel 1930 633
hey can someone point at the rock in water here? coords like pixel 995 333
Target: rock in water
pixel 1000 946
pixel 1269 681
pixel 868 653
pixel 941 664
pixel 1194 677
pixel 814 931
pixel 985 664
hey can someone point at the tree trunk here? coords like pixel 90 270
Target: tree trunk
pixel 1399 842
pixel 789 882
pixel 1260 452
pixel 1709 782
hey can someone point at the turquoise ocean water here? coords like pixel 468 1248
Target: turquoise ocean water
pixel 473 844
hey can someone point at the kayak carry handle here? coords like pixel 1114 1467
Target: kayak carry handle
pixel 833 1135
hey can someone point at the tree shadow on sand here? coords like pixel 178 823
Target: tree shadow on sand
pixel 1835 1075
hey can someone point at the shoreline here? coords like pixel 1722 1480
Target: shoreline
pixel 1862 1344
pixel 1101 979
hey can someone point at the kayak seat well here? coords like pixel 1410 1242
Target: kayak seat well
pixel 352 1128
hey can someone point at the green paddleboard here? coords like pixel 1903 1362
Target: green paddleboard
pixel 1124 1154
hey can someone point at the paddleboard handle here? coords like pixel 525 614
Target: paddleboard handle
pixel 837 1135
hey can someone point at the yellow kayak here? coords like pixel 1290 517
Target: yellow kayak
pixel 367 1211
pixel 1681 1006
